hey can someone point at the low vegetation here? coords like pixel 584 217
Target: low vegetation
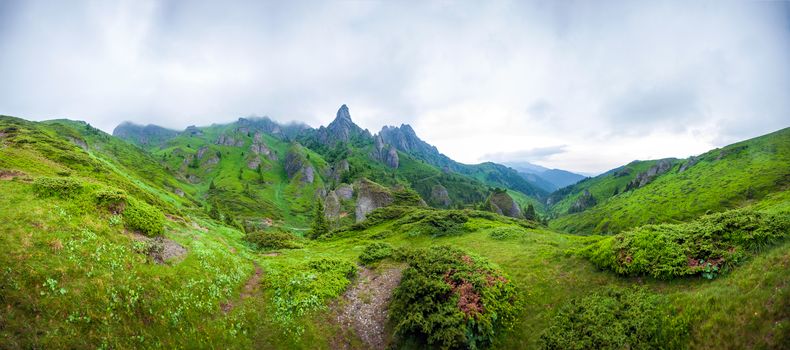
pixel 616 319
pixel 708 246
pixel 451 299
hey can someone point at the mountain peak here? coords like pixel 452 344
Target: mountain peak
pixel 340 129
pixel 343 114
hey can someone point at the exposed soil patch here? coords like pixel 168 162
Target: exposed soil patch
pixel 366 303
pixel 250 288
pixel 8 175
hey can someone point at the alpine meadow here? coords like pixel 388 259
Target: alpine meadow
pixel 560 175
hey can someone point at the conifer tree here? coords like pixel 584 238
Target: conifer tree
pixel 320 225
pixel 530 214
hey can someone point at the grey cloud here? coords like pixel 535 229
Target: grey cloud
pixel 576 73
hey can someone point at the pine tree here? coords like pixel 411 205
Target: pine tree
pixel 211 185
pixel 214 212
pixel 320 225
pixel 260 173
pixel 529 214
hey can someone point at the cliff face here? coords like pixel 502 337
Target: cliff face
pixel 333 203
pixel 385 153
pixel 501 203
pixel 370 196
pixel 297 165
pixel 644 178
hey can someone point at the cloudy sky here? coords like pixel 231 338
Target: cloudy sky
pixel 584 86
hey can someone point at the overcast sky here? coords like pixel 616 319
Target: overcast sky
pixel 584 86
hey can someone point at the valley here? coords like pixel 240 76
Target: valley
pixel 256 234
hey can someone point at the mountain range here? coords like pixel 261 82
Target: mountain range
pixel 257 234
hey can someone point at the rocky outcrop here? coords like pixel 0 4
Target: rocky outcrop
pixel 688 164
pixel 385 153
pixel 501 203
pixel 584 201
pixel 370 196
pixel 297 165
pixel 344 191
pixel 229 140
pixel 439 196
pixel 404 139
pixel 338 169
pixel 644 178
pixel 342 129
pixel 333 202
pixel 258 147
pixel 332 206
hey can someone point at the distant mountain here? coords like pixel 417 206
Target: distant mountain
pixel 262 169
pixel 548 179
pixel 143 134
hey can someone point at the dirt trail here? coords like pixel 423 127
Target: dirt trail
pixel 249 289
pixel 365 308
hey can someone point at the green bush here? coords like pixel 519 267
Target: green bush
pixel 434 223
pixel 142 217
pixel 616 319
pixel 375 252
pixel 301 288
pixel 406 197
pixel 503 233
pixel 708 246
pixel 381 215
pixel 272 239
pixel 450 299
pixel 62 187
pixel 111 199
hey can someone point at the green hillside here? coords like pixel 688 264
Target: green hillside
pixel 726 178
pixel 107 244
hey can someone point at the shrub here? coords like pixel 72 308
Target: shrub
pixel 301 288
pixel 616 319
pixel 435 223
pixel 111 199
pixel 406 197
pixel 450 299
pixel 502 233
pixel 708 246
pixel 141 216
pixel 381 215
pixel 375 252
pixel 272 239
pixel 62 187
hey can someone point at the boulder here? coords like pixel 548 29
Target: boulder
pixel 370 196
pixel 501 203
pixel 584 201
pixel 439 196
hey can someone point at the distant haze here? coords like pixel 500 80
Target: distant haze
pixel 583 86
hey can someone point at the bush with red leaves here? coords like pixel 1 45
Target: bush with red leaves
pixel 451 299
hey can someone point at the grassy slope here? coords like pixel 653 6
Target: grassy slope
pixel 747 171
pixel 728 312
pixel 239 189
pixel 112 297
